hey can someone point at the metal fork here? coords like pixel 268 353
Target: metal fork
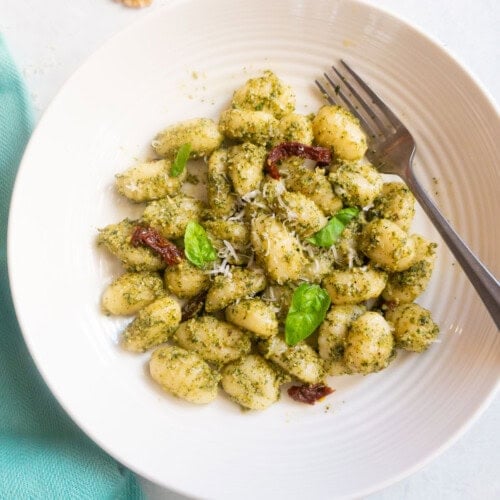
pixel 392 149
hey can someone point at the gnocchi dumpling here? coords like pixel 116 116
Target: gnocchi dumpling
pixel 352 286
pixel 170 215
pixel 116 239
pixel 251 382
pixel 407 285
pixel 319 264
pixel 202 134
pixel 335 127
pixel 301 360
pixel 221 200
pixel 149 181
pixel 265 93
pixel 130 292
pixel 347 251
pixel 414 329
pixel 294 128
pixel 237 233
pixel 276 249
pixel 184 374
pixel 387 245
pixel 369 345
pixel 186 280
pixel 153 325
pixel 395 203
pixel 332 336
pixel 255 316
pixel 238 284
pixel 357 183
pixel 214 340
pixel 299 212
pixel 245 164
pixel 257 127
pixel 315 185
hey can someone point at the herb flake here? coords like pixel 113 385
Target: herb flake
pixel 180 161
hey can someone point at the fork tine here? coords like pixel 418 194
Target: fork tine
pixel 393 119
pixel 361 101
pixel 348 103
pixel 323 90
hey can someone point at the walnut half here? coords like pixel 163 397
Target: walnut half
pixel 136 4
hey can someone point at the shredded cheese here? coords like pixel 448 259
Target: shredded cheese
pixel 230 249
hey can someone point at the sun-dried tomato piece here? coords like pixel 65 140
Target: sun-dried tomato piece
pixel 309 393
pixel 322 156
pixel 194 306
pixel 148 236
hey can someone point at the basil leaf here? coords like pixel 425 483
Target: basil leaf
pixel 329 234
pixel 308 309
pixel 197 246
pixel 347 214
pixel 180 160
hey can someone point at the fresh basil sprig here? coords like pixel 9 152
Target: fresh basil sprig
pixel 329 234
pixel 197 246
pixel 180 161
pixel 308 309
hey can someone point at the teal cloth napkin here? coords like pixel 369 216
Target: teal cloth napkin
pixel 42 452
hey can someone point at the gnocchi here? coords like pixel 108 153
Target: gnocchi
pixel 369 344
pixel 268 269
pixel 355 285
pixel 257 127
pixel 245 165
pixel 387 245
pixel 276 249
pixel 414 329
pixel 407 285
pixel 186 280
pixel 184 374
pixel 395 203
pixel 149 181
pixel 202 134
pixel 357 183
pixel 300 361
pixel 300 213
pixel 294 128
pixel 265 93
pixel 255 316
pixel 214 340
pixel 313 184
pixel 337 128
pixel 153 325
pixel 239 284
pixel 170 215
pixel 221 200
pixel 251 382
pixel 116 238
pixel 130 292
pixel 332 336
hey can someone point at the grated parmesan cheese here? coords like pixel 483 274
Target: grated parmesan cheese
pixel 220 268
pixel 251 195
pixel 230 249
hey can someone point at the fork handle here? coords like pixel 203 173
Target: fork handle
pixel 483 281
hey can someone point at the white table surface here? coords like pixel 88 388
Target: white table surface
pixel 51 38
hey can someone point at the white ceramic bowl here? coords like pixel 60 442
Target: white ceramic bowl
pixel 184 61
